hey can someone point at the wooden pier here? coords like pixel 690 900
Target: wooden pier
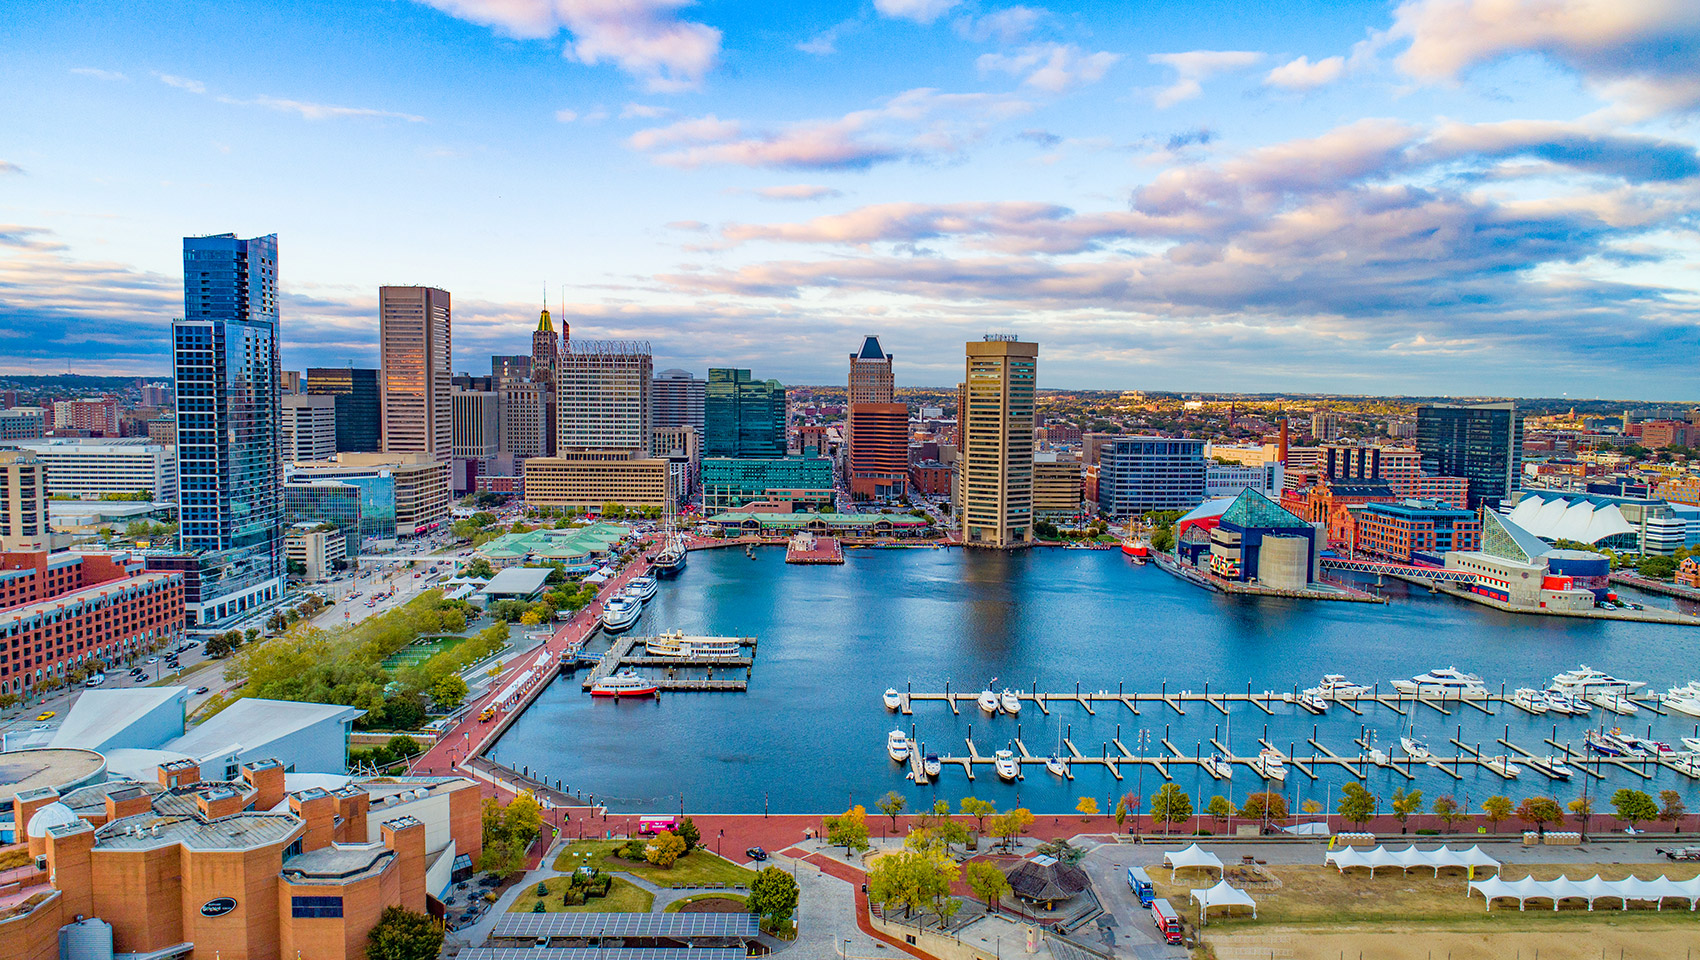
pixel 621 655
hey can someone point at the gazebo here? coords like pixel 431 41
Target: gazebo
pixel 1222 895
pixel 1193 856
pixel 1045 880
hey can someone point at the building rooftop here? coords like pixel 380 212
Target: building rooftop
pixel 338 863
pixel 250 723
pixel 1252 510
pixel 574 543
pixel 797 520
pixel 50 767
pixel 517 582
pixel 241 831
pixel 101 717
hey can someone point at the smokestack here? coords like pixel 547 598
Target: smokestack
pixel 1283 443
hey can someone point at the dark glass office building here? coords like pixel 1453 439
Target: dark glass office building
pixel 1481 442
pixel 743 418
pixel 357 410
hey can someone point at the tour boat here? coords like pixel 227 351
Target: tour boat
pixel 1567 705
pixel 1056 765
pixel 1271 764
pixel 893 699
pixel 1010 703
pixel 1336 687
pixel 1605 744
pixel 642 588
pixel 988 701
pixel 1414 748
pixel 931 766
pixel 1530 699
pixel 1585 680
pixel 624 684
pixel 897 744
pixel 620 613
pixel 1615 702
pixel 1449 683
pixel 676 644
pixel 1004 762
pixel 1551 766
pixel 1692 744
pixel 1218 766
pixel 1502 766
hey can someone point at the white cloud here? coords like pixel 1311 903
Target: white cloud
pixel 643 111
pixel 566 116
pixel 1052 67
pixel 1301 74
pixel 100 74
pixel 182 83
pixel 308 110
pixel 825 43
pixel 709 129
pixel 1193 67
pixel 797 192
pixel 920 11
pixel 6 166
pixel 1006 26
pixel 644 38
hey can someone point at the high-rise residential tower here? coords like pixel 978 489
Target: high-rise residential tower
pixel 414 338
pixel 1482 443
pixel 995 461
pixel 359 417
pixel 602 396
pixel 743 418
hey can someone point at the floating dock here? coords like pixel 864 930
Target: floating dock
pixel 630 651
pixel 807 548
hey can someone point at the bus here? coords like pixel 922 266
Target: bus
pixel 649 826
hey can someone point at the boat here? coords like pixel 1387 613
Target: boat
pixel 1448 683
pixel 676 644
pixel 1692 744
pixel 1334 686
pixel 1313 702
pixel 1642 744
pixel 1136 548
pixel 671 559
pixel 1502 766
pixel 1685 699
pixel 1585 680
pixel 1004 762
pixel 643 588
pixel 1567 705
pixel 931 765
pixel 1056 765
pixel 619 614
pixel 1531 700
pixel 1009 701
pixel 1615 702
pixel 897 744
pixel 988 701
pixel 1605 744
pixel 1551 766
pixel 893 699
pixel 624 684
pixel 1271 764
pixel 1218 766
pixel 1414 748
pixel 1379 757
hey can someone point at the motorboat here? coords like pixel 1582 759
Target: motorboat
pixel 1414 748
pixel 1502 766
pixel 1615 702
pixel 1448 683
pixel 1652 748
pixel 1379 757
pixel 1009 701
pixel 892 698
pixel 1567 705
pixel 1335 686
pixel 624 684
pixel 1218 766
pixel 1056 765
pixel 897 744
pixel 642 588
pixel 1271 764
pixel 1004 762
pixel 988 701
pixel 1605 744
pixel 620 613
pixel 1531 700
pixel 931 765
pixel 676 644
pixel 1313 703
pixel 1551 766
pixel 1585 680
pixel 1692 744
pixel 1685 699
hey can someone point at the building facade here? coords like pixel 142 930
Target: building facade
pixel 477 421
pixel 602 396
pixel 83 468
pixel 545 350
pixel 679 399
pixel 1483 443
pixel 1138 474
pixel 420 483
pixel 23 502
pixel 510 368
pixel 730 483
pixel 590 479
pixel 994 501
pixel 743 417
pixel 524 421
pixel 309 427
pixel 415 340
pixel 1228 479
pixel 879 450
pixel 1406 530
pixel 314 551
pixel 61 610
pixel 359 411
pixel 1056 485
pixel 24 423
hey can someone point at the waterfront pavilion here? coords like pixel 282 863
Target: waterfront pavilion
pixel 1045 881
pixel 576 549
pixel 822 524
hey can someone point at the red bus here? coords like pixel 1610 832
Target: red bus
pixel 649 826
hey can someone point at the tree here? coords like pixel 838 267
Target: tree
pixel 1634 806
pixel 530 618
pixel 402 747
pixel 1673 811
pixel 401 934
pixel 987 882
pixel 689 833
pixel 1357 805
pixel 1121 811
pixel 979 810
pixel 1540 811
pixel 1088 807
pixel 892 805
pixel 1163 539
pixel 773 896
pixel 1219 808
pixel 1264 805
pixel 664 850
pixel 911 880
pixel 508 832
pixel 1447 808
pixel 1007 826
pixel 1581 808
pixel 449 691
pixel 1170 804
pixel 1496 810
pixel 479 567
pixel 1405 803
pixel 849 830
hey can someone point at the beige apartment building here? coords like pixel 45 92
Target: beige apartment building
pixel 995 461
pixel 23 502
pixel 414 339
pixel 591 478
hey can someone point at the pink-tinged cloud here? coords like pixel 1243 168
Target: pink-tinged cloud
pixel 1193 67
pixel 1301 74
pixel 1051 67
pixel 920 11
pixel 798 192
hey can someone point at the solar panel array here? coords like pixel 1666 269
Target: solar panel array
pixel 603 953
pixel 672 926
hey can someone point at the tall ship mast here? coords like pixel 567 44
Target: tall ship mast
pixel 671 559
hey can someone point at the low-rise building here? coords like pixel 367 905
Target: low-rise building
pixel 420 483
pixel 89 469
pixel 930 478
pixel 1254 539
pixel 588 479
pixel 575 549
pixel 1511 567
pixel 314 551
pixel 1401 531
pixel 1056 486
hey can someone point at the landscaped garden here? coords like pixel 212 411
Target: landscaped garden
pixel 710 903
pixel 557 896
pixel 695 869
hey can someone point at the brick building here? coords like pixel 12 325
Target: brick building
pixel 1399 531
pixel 61 610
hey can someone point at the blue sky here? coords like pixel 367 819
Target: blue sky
pixel 1436 196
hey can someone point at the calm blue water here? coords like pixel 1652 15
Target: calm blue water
pixel 810 733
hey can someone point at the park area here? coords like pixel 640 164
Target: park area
pixel 416 653
pixel 622 897
pixel 699 868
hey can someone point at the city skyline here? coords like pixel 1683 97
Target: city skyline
pixel 1351 198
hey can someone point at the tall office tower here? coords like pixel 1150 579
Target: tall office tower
pixel 995 472
pixel 678 398
pixel 877 429
pixel 290 382
pixel 743 418
pixel 1482 443
pixel 477 425
pixel 359 417
pixel 602 396
pixel 309 427
pixel 23 501
pixel 545 349
pixel 870 374
pixel 505 368
pixel 229 473
pixel 523 421
pixel 1136 474
pixel 414 336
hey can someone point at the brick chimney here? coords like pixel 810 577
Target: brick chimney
pixel 70 856
pixel 317 810
pixel 127 803
pixel 266 777
pixel 406 836
pixel 24 806
pixel 179 773
pixel 352 804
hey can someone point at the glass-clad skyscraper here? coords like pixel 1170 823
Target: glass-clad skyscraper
pixel 357 410
pixel 1481 442
pixel 743 417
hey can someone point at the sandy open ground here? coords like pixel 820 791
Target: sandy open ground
pixel 1626 939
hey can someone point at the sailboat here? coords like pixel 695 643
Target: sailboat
pixel 671 558
pixel 1055 762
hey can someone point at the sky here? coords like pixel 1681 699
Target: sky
pixel 1467 197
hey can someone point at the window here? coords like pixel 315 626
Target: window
pixel 315 906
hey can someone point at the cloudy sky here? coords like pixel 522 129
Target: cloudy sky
pixel 1435 196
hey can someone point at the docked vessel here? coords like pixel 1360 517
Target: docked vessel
pixel 1502 766
pixel 1271 764
pixel 988 701
pixel 641 588
pixel 624 684
pixel 1685 699
pixel 1313 703
pixel 1605 744
pixel 1136 548
pixel 1004 762
pixel 676 644
pixel 1652 748
pixel 1531 700
pixel 1218 766
pixel 892 698
pixel 1414 748
pixel 1010 703
pixel 671 559
pixel 1056 765
pixel 1551 766
pixel 1335 686
pixel 1448 683
pixel 1691 744
pixel 931 765
pixel 1585 680
pixel 897 745
pixel 620 613
pixel 1615 702
pixel 1567 705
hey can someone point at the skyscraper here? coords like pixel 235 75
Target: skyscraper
pixel 229 475
pixel 359 417
pixel 602 396
pixel 878 429
pixel 1482 443
pixel 678 398
pixel 743 418
pixel 545 349
pixel 414 334
pixel 508 368
pixel 870 374
pixel 995 480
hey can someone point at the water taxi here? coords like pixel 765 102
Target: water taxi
pixel 620 613
pixel 1585 680
pixel 931 765
pixel 624 684
pixel 676 644
pixel 892 698
pixel 641 588
pixel 1004 762
pixel 1271 764
pixel 1531 700
pixel 1502 766
pixel 1448 683
pixel 1010 702
pixel 988 701
pixel 897 744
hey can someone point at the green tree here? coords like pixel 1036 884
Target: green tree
pixel 508 832
pixel 1121 811
pixel 892 805
pixel 849 830
pixel 689 833
pixel 402 747
pixel 1219 809
pixel 1657 568
pixel 449 691
pixel 987 882
pixel 773 896
pixel 1540 811
pixel 1170 804
pixel 401 934
pixel 1163 539
pixel 665 849
pixel 1673 810
pixel 1357 805
pixel 1406 802
pixel 1263 805
pixel 913 881
pixel 979 810
pixel 1447 808
pixel 1008 826
pixel 1634 806
pixel 1496 810
pixel 480 568
pixel 1088 807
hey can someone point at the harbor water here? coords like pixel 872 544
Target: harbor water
pixel 809 735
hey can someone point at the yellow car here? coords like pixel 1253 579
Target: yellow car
pixel 49 715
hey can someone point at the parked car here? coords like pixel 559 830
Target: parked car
pixel 95 680
pixel 151 660
pixel 756 853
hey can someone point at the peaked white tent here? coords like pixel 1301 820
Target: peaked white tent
pixel 1409 857
pixel 1193 856
pixel 1222 895
pixel 1592 889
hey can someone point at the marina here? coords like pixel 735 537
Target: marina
pixel 626 654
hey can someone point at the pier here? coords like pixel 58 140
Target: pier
pixel 629 651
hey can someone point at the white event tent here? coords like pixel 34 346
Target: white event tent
pixel 1409 857
pixel 1222 895
pixel 1193 856
pixel 1591 889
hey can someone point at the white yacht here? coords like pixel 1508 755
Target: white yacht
pixel 1218 766
pixel 1009 701
pixel 892 698
pixel 988 701
pixel 1271 764
pixel 897 744
pixel 1448 683
pixel 931 765
pixel 1004 762
pixel 1335 686
pixel 1567 705
pixel 1553 767
pixel 676 644
pixel 1502 766
pixel 1056 765
pixel 1685 699
pixel 642 588
pixel 624 684
pixel 1585 680
pixel 1313 702
pixel 1615 702
pixel 620 613
pixel 1692 744
pixel 1531 700
pixel 1414 748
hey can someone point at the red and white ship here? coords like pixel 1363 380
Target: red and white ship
pixel 624 684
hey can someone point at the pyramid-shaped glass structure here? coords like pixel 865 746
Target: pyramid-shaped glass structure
pixel 1253 510
pixel 1503 539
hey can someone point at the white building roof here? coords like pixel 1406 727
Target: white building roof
pixel 101 716
pixel 250 723
pixel 1556 518
pixel 517 581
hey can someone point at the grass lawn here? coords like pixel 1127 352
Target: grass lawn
pixel 1319 896
pixel 622 897
pixel 720 903
pixel 420 651
pixel 696 868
